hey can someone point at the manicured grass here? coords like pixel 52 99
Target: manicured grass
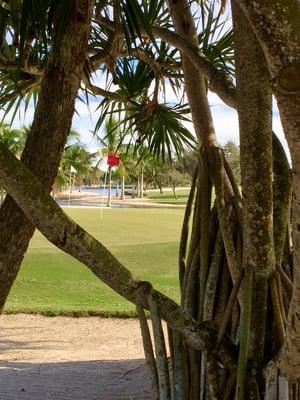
pixel 53 283
pixel 167 197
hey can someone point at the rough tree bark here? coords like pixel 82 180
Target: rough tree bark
pixel 47 137
pixel 255 126
pixel 194 81
pixel 277 26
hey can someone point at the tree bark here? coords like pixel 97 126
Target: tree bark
pixel 277 26
pixel 47 137
pixel 276 23
pixel 255 125
pixel 289 360
pixel 194 80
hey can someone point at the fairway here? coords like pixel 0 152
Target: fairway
pixel 167 197
pixel 144 240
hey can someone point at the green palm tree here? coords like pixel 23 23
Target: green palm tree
pixel 14 140
pixel 111 143
pixel 127 165
pixel 75 158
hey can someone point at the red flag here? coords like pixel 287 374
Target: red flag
pixel 113 161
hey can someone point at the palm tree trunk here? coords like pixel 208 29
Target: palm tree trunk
pixel 196 92
pixel 123 188
pixel 138 186
pixel 142 182
pixel 47 137
pixel 117 189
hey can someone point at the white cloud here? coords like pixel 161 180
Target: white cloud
pixel 226 124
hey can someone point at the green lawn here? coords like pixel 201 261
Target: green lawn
pixel 145 240
pixel 167 197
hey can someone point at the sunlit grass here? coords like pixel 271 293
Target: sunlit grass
pixel 144 240
pixel 167 197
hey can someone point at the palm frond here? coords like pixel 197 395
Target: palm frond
pixel 216 37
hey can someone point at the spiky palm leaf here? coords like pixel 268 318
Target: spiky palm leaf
pixel 13 139
pixel 216 36
pixel 157 127
pixel 215 33
pixel 27 30
pixel 133 77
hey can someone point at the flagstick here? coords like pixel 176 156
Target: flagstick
pixel 102 204
pixel 112 161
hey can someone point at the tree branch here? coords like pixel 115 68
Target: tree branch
pixel 33 69
pixel 219 81
pixel 64 233
pixel 97 91
pixel 23 88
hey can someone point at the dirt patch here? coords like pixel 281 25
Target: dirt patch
pixel 71 358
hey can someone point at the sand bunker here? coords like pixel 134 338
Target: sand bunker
pixel 71 358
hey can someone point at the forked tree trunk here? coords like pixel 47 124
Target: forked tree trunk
pixel 47 137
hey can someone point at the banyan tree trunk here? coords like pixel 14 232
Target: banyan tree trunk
pixel 47 137
pixel 234 260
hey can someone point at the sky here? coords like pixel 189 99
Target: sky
pixel 225 120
